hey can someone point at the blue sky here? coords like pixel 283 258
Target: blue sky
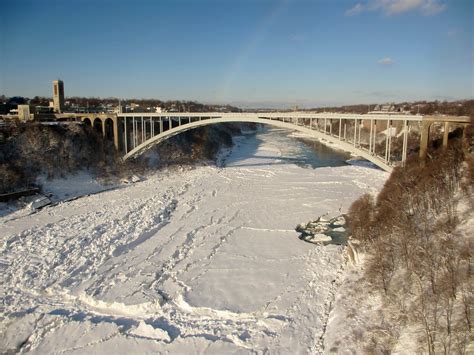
pixel 246 52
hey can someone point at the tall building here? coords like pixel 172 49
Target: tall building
pixel 58 96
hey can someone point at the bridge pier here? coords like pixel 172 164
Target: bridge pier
pixel 355 132
pixel 424 139
pixel 445 135
pixel 370 135
pixel 405 142
pixel 125 135
pixel 116 134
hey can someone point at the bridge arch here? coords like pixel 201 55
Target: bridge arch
pixel 109 128
pixel 98 125
pixel 87 121
pixel 324 138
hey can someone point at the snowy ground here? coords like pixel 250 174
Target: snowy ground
pixel 194 260
pixel 60 189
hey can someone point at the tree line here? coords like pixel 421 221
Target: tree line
pixel 454 108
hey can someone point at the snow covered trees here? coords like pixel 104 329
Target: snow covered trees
pixel 53 150
pixel 420 253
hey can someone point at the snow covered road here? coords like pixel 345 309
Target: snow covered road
pixel 194 260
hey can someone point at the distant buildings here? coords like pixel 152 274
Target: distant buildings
pixel 23 112
pixel 385 108
pixel 58 96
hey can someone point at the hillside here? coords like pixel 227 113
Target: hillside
pixel 56 150
pixel 413 288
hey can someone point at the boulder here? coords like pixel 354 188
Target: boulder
pixel 338 221
pixel 40 202
pixel 318 238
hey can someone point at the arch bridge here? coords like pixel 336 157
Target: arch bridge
pixel 384 139
pixel 104 123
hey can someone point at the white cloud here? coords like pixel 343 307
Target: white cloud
pixel 395 7
pixel 355 10
pixel 386 61
pixel 432 7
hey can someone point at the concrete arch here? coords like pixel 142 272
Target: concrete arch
pixel 87 121
pixel 138 150
pixel 98 125
pixel 109 128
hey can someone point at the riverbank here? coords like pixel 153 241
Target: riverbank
pixel 412 290
pixel 202 259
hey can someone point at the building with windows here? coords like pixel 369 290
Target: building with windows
pixel 58 96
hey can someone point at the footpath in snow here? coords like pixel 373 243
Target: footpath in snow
pixel 203 259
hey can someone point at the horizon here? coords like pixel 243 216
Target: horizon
pixel 272 54
pixel 240 105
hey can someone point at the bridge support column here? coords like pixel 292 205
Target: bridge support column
pixel 359 127
pixel 425 136
pixel 389 140
pixel 134 136
pixel 445 135
pixel 374 139
pixel 370 135
pixel 405 142
pixel 103 128
pixel 125 135
pixel 355 132
pixel 116 133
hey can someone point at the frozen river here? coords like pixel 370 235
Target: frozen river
pixel 193 260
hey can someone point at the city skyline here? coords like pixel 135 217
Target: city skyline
pixel 250 54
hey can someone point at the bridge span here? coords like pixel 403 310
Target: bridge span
pixel 382 139
pixel 385 139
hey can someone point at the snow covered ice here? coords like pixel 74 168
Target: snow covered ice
pixel 201 260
